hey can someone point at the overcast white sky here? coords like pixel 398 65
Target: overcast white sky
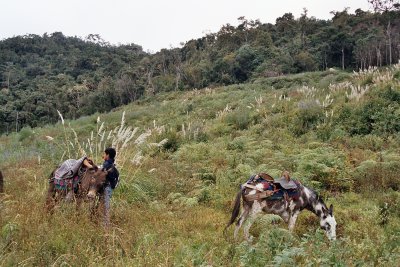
pixel 153 24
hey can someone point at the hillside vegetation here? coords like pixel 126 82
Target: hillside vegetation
pixel 81 76
pixel 336 132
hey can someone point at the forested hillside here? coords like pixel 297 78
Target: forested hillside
pixel 42 74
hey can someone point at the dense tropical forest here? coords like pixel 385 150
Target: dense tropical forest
pixel 80 76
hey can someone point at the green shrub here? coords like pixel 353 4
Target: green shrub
pixel 367 142
pixel 324 132
pixel 396 75
pixel 198 158
pixel 192 255
pixel 179 199
pixel 173 141
pixel 387 120
pixel 379 114
pixel 272 244
pixel 373 175
pixel 393 204
pixel 324 165
pixel 308 116
pixel 368 79
pixel 191 131
pixel 164 83
pixel 9 232
pixel 338 134
pixel 143 188
pixel 26 134
pixel 219 129
pixel 304 61
pixel 205 175
pixel 237 144
pixel 187 108
pixel 239 119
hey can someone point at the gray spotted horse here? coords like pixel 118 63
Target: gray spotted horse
pixel 262 193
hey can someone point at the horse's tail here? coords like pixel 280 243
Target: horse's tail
pixel 235 211
pixel 51 193
pixel 1 183
pixel 50 178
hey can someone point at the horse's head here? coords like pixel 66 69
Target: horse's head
pixel 96 182
pixel 328 223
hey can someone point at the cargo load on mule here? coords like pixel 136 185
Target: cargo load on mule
pixel 68 175
pixel 263 185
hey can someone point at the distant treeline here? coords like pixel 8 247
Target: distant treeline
pixel 42 74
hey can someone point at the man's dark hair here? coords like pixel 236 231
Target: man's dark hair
pixel 111 152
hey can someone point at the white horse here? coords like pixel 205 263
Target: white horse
pixel 288 210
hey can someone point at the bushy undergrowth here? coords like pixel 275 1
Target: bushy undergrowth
pixel 177 188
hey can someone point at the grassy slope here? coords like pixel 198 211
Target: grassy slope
pixel 171 209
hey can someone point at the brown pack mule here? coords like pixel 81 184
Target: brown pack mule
pixel 91 184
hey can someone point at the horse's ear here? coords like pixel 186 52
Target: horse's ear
pixel 330 211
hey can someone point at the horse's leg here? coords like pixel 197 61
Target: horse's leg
pixel 255 210
pixel 242 219
pixel 78 199
pixel 292 219
pixel 93 206
pixel 50 198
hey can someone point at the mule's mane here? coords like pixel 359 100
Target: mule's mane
pixel 314 200
pixel 316 195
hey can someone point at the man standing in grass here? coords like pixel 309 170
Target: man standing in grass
pixel 111 181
